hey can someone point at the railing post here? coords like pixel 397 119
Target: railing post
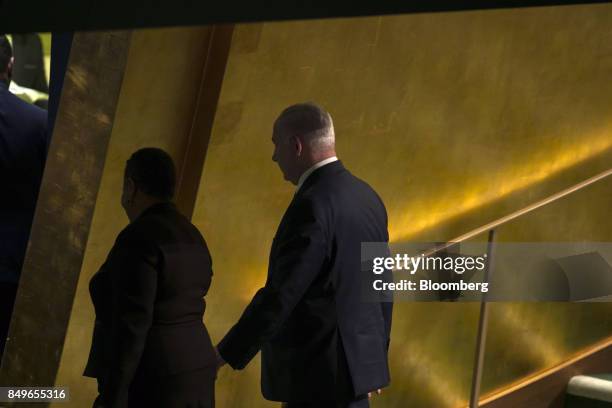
pixel 482 328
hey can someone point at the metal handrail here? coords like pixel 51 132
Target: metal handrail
pixel 521 212
pixel 483 315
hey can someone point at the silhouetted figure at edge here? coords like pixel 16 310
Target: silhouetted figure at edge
pixel 150 347
pixel 23 149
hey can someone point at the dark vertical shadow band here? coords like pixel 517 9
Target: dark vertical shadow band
pixel 60 52
pixel 219 42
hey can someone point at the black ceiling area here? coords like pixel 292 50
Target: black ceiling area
pixel 76 15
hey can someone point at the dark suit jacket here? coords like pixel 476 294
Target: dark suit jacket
pixel 23 148
pixel 149 303
pixel 319 339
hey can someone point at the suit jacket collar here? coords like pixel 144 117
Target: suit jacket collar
pixel 320 173
pixel 308 172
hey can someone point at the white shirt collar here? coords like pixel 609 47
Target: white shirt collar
pixel 308 172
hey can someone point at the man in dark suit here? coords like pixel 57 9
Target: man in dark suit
pixel 322 345
pixel 23 149
pixel 150 347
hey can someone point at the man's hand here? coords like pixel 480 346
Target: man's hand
pixel 378 392
pixel 220 361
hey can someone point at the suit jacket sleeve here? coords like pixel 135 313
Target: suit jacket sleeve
pixel 300 252
pixel 134 289
pixel 387 307
pixel 386 303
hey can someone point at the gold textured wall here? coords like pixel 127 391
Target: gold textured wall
pixel 455 119
pixel 155 108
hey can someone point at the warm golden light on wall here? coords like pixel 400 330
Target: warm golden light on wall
pixel 252 282
pixel 537 348
pixel 404 226
pixel 414 359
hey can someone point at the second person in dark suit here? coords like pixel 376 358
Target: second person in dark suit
pixel 150 347
pixel 23 151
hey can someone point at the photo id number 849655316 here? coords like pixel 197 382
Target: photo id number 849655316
pixel 33 394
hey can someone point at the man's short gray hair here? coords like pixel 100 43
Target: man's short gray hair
pixel 310 121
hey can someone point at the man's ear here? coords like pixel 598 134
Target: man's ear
pixel 299 147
